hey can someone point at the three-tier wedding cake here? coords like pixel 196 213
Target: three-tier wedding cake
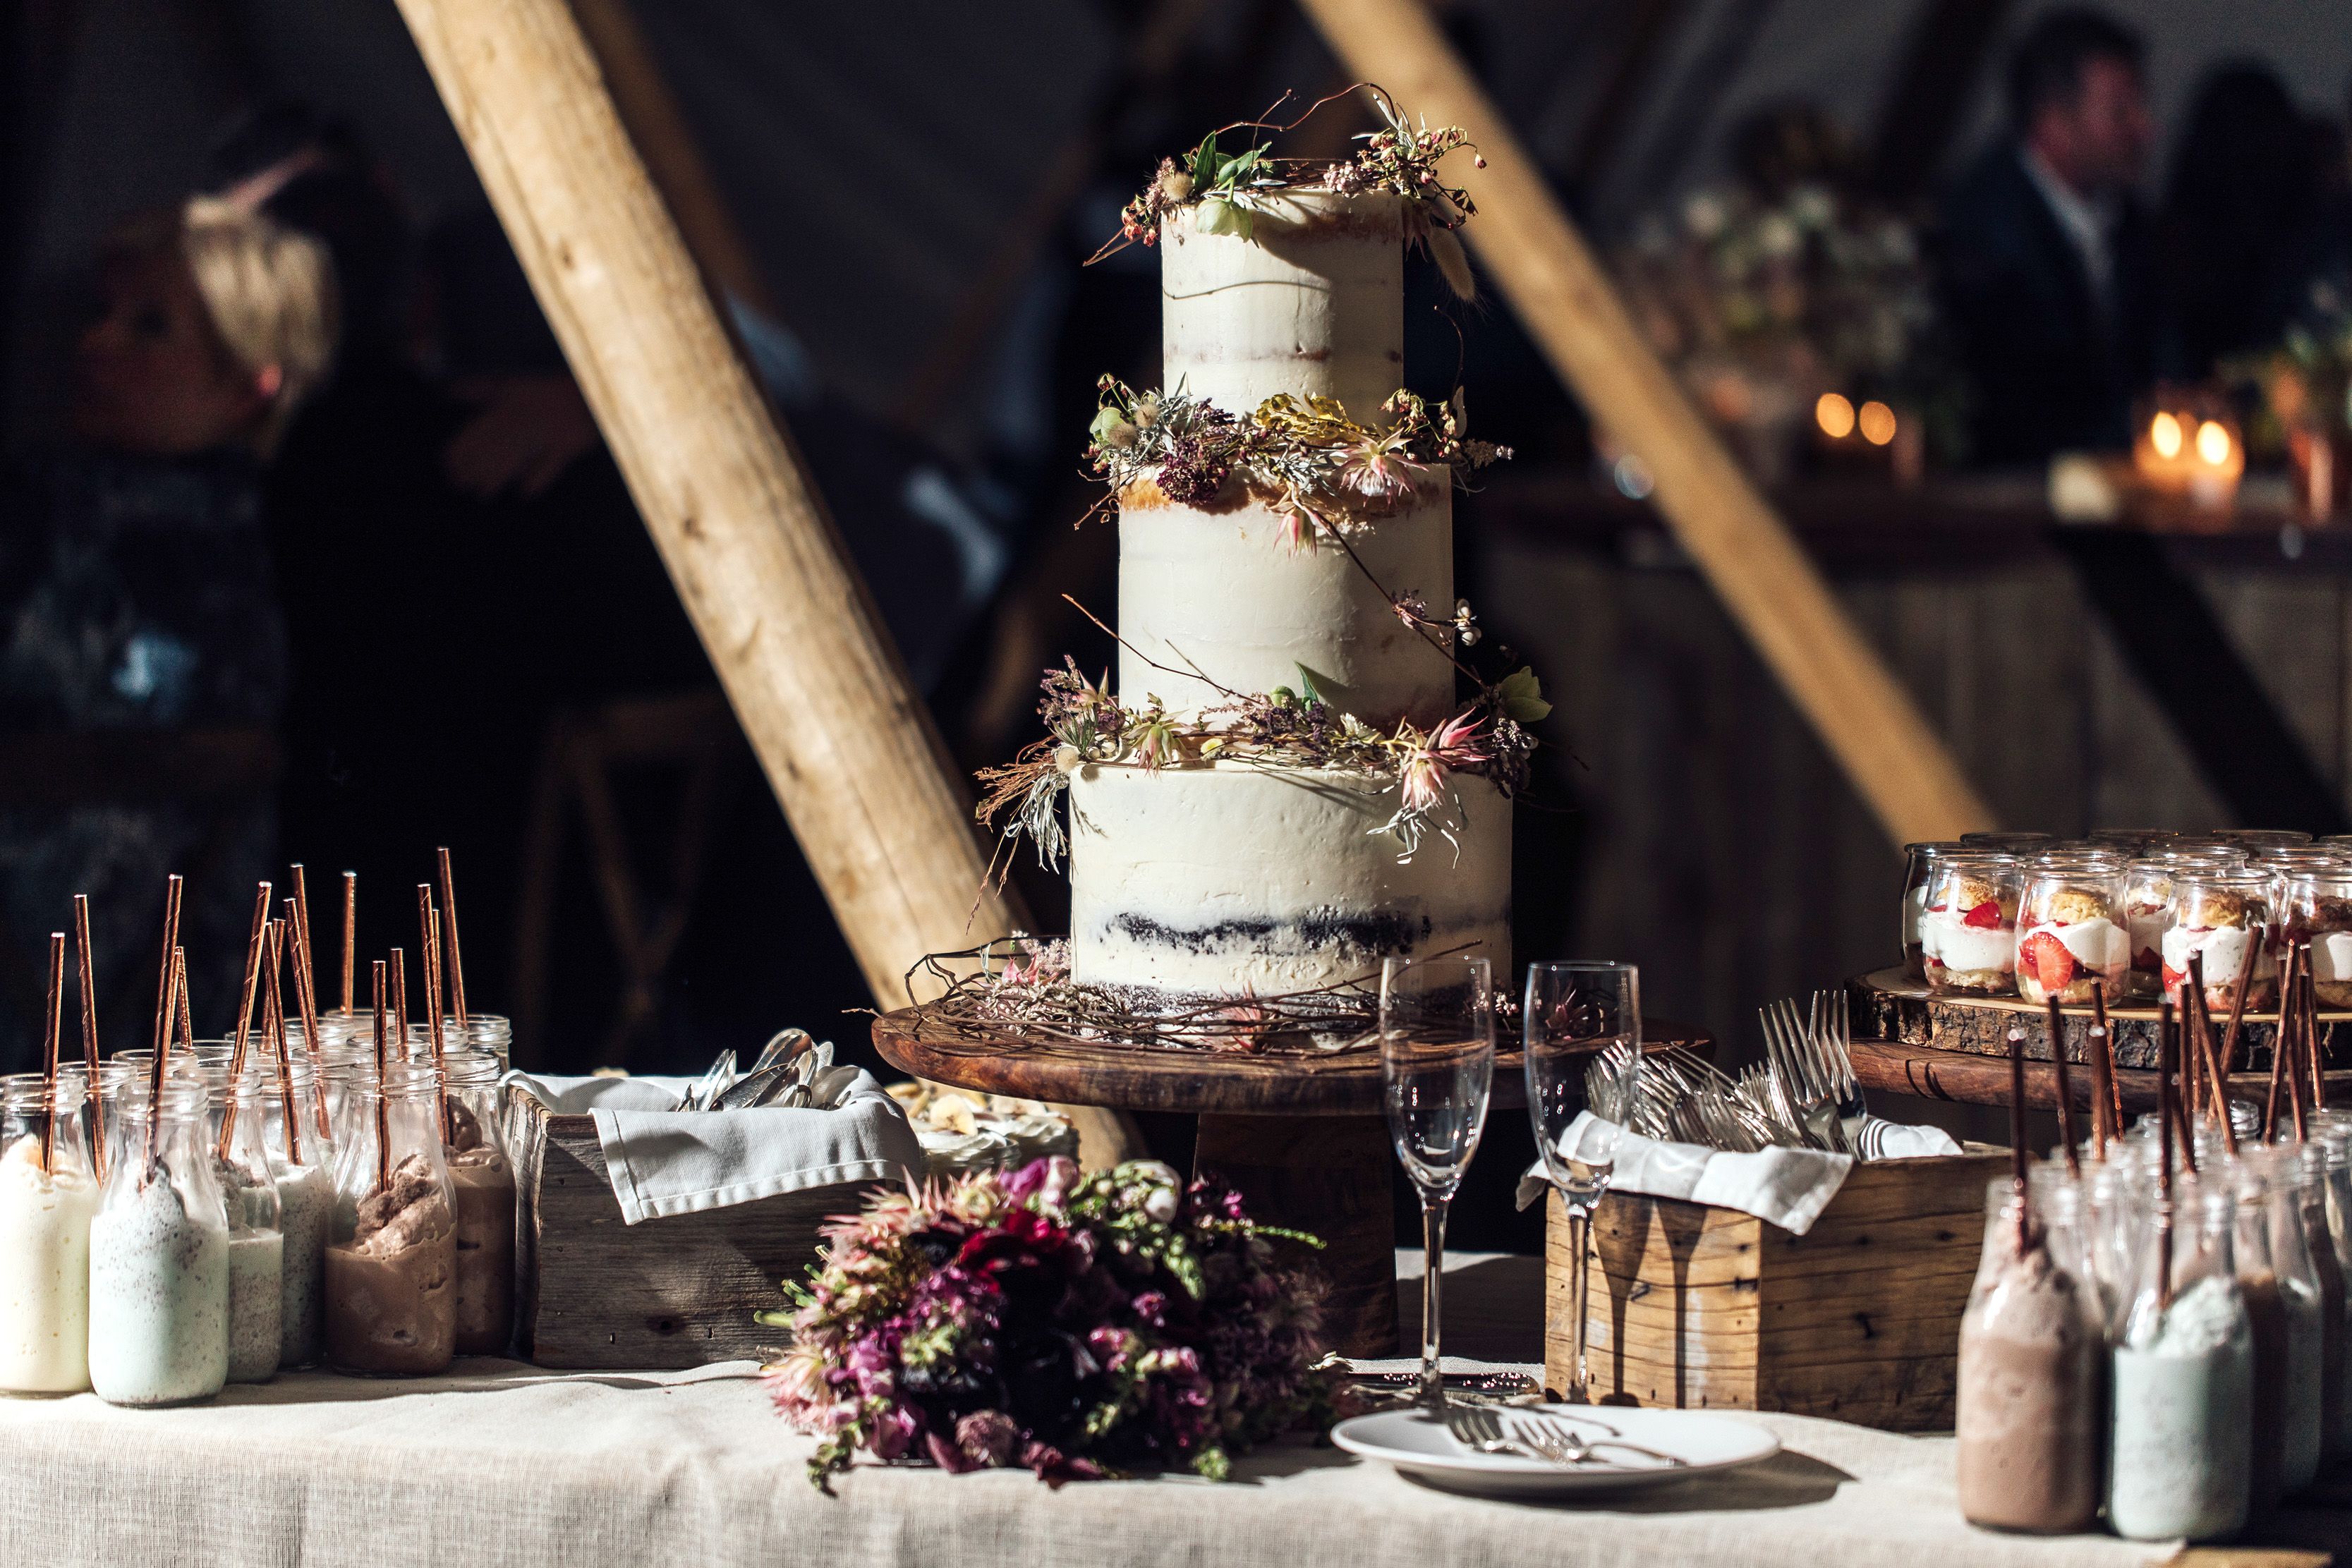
pixel 1298 772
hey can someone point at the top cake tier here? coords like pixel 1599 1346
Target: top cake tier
pixel 1311 303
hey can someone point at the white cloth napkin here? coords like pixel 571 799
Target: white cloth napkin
pixel 664 1161
pixel 1789 1187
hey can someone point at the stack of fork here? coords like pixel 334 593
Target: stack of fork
pixel 1803 1096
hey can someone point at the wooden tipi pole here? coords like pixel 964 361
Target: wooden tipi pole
pixel 812 674
pixel 1897 764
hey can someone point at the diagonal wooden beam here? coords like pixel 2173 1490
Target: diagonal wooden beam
pixel 806 662
pixel 812 674
pixel 1835 678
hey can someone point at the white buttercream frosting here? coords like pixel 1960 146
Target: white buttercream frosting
pixel 1312 303
pixel 1223 590
pixel 1237 879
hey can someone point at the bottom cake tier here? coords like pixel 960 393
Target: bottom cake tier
pixel 1239 880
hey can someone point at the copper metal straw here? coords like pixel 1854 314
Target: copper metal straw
pixel 245 996
pixel 350 934
pixel 306 997
pixel 383 1113
pixel 2214 1076
pixel 2278 1047
pixel 429 928
pixel 167 987
pixel 400 1001
pixel 2017 1156
pixel 273 1023
pixel 455 958
pixel 2065 1089
pixel 84 962
pixel 300 905
pixel 2311 1032
pixel 2164 1052
pixel 2238 1003
pixel 2105 1035
pixel 49 1057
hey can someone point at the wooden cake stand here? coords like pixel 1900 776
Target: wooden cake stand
pixel 1302 1137
pixel 1889 1005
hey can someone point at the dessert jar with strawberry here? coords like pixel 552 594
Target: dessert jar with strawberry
pixel 1968 930
pixel 2070 944
pixel 2144 904
pixel 1919 863
pixel 2314 905
pixel 2222 913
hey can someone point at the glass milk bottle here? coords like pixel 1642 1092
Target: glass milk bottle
pixel 2282 1302
pixel 48 1197
pixel 491 1032
pixel 304 1164
pixel 2183 1385
pixel 2308 1171
pixel 2031 1419
pixel 256 1244
pixel 484 1180
pixel 392 1259
pixel 158 1255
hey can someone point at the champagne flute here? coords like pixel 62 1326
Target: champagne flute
pixel 1576 1010
pixel 1437 1065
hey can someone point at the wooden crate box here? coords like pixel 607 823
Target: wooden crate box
pixel 593 1292
pixel 1694 1307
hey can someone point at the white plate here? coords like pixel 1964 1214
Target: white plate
pixel 1421 1447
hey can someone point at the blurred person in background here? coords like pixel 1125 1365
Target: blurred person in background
pixel 2047 257
pixel 2242 218
pixel 137 609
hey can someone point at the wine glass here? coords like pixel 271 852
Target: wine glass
pixel 1437 1065
pixel 1575 1012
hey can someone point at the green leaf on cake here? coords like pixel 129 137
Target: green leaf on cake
pixel 1206 162
pixel 1521 695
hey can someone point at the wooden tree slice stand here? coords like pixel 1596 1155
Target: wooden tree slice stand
pixel 1302 1137
pixel 1889 1005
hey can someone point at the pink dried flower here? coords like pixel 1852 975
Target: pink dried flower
pixel 1426 761
pixel 1380 468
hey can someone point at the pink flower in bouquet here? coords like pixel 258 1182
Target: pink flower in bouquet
pixel 1074 1324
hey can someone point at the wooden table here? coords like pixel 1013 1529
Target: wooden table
pixel 1302 1137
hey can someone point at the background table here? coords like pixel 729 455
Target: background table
pixel 507 1466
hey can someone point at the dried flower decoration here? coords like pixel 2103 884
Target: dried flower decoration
pixel 1287 727
pixel 1228 191
pixel 1320 464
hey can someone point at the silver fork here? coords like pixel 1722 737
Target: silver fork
pixel 1564 1445
pixel 1832 1035
pixel 1790 1048
pixel 1475 1429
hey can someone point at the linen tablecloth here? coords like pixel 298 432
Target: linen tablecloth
pixel 501 1465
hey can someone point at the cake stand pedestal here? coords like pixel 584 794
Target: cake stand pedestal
pixel 1302 1139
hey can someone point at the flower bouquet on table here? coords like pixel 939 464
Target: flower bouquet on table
pixel 1078 1325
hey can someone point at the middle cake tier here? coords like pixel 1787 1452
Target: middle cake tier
pixel 1243 879
pixel 1242 594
